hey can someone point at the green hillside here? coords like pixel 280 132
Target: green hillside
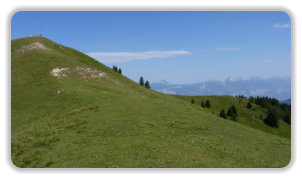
pixel 68 110
pixel 249 117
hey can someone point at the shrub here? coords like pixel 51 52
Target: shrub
pixel 120 71
pixel 202 104
pixel 192 101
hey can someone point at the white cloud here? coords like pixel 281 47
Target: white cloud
pixel 119 57
pixel 226 49
pixel 281 26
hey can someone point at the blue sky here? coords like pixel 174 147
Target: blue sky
pixel 179 47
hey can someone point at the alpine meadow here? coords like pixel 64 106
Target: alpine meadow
pixel 68 110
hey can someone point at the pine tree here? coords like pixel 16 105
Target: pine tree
pixel 208 104
pixel 202 104
pixel 222 114
pixel 249 105
pixel 192 101
pixel 272 118
pixel 120 71
pixel 147 85
pixel 232 112
pixel 141 81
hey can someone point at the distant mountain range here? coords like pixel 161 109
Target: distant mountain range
pixel 277 87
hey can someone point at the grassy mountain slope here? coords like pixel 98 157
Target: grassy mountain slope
pixel 69 110
pixel 248 117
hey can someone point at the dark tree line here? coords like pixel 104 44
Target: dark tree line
pixel 264 101
pixel 275 110
pixel 240 96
